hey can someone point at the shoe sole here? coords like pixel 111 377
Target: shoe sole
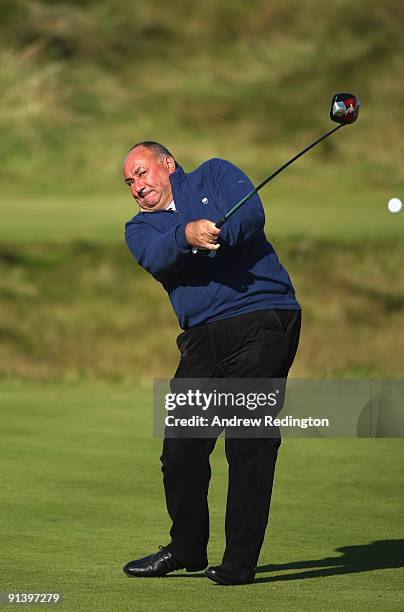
pixel 191 568
pixel 224 582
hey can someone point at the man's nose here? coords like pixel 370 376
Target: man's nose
pixel 137 186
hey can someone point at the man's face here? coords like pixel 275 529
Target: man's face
pixel 147 176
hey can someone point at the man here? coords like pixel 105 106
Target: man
pixel 240 320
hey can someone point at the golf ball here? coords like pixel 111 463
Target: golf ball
pixel 394 205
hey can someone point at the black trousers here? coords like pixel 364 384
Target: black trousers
pixel 260 344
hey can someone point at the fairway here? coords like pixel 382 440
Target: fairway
pixel 301 206
pixel 82 494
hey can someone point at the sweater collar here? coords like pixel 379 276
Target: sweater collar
pixel 177 177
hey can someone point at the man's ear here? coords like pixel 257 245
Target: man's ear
pixel 170 163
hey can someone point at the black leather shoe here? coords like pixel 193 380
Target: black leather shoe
pixel 231 573
pixel 158 565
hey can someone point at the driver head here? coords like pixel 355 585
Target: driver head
pixel 344 108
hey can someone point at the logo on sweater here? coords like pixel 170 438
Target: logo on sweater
pixel 205 200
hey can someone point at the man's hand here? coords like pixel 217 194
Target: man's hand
pixel 202 234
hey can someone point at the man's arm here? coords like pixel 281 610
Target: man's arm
pixel 162 253
pixel 159 253
pixel 231 184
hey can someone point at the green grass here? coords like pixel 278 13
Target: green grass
pixel 82 494
pixel 78 310
pixel 310 200
pixel 250 82
pixel 82 81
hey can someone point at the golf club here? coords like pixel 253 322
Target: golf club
pixel 344 111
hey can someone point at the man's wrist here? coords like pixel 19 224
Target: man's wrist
pixel 189 233
pixel 181 239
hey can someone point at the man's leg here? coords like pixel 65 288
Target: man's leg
pixel 252 460
pixel 251 473
pixel 186 475
pixel 185 461
pixel 186 469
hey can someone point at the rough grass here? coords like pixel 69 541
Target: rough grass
pixel 82 81
pixel 251 82
pixel 82 494
pixel 81 310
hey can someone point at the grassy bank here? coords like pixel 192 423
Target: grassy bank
pixel 81 81
pixel 85 310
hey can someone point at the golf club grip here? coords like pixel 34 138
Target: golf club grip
pixel 208 252
pixel 221 222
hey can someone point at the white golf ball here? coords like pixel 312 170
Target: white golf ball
pixel 394 205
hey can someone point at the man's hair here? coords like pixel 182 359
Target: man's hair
pixel 158 149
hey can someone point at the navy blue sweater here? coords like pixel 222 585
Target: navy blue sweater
pixel 244 275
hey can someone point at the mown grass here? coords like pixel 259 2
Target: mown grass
pixel 81 310
pixel 306 201
pixel 82 494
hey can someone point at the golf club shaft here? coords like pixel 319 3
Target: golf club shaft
pixel 232 210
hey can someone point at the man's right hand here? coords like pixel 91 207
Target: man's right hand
pixel 202 234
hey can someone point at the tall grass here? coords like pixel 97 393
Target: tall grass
pixel 82 80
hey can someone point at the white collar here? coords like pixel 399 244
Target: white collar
pixel 169 207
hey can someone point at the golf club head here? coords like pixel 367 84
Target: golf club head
pixel 344 108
